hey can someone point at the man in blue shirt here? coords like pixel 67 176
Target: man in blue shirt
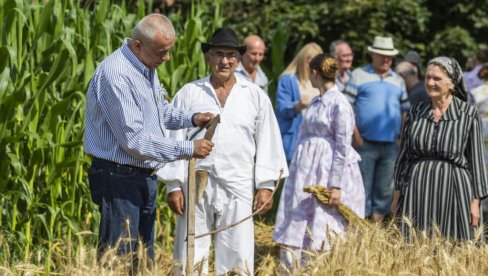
pixel 380 102
pixel 125 134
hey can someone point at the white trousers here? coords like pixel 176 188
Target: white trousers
pixel 234 247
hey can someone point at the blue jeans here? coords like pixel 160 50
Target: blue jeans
pixel 377 166
pixel 126 197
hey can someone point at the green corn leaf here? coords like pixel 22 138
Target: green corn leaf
pixel 4 83
pixel 45 24
pixel 15 163
pixel 4 58
pixel 102 11
pixel 176 77
pixel 57 69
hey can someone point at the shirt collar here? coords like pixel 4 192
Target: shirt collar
pixel 240 68
pixel 239 81
pixel 370 69
pixel 451 114
pixel 131 57
pixel 347 74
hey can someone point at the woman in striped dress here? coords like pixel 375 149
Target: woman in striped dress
pixel 439 173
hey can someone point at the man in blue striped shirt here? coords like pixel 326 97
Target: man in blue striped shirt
pixel 125 133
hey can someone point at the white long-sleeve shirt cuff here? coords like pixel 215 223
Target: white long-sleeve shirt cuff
pixel 171 187
pixel 267 185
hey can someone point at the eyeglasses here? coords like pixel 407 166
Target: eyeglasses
pixel 231 56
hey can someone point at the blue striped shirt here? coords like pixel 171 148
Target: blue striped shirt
pixel 127 113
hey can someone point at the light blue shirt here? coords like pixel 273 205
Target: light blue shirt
pixel 127 113
pixel 261 79
pixel 378 103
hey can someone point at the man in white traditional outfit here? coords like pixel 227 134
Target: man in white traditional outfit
pixel 245 162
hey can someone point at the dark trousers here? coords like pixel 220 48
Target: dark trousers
pixel 126 197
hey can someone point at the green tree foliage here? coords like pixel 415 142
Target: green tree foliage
pixel 452 27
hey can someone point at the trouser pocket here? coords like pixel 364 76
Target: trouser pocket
pixel 95 179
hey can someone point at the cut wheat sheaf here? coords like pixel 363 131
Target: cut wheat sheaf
pixel 322 194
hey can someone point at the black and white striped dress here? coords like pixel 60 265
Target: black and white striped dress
pixel 440 169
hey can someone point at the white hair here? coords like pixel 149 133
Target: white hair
pixel 147 28
pixel 407 68
pixel 333 46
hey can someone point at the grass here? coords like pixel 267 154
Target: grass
pixel 361 251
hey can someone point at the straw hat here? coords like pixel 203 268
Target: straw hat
pixel 383 46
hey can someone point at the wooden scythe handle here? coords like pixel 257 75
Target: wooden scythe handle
pixel 190 219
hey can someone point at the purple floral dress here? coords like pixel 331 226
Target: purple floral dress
pixel 324 156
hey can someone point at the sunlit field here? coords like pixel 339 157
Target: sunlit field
pixel 366 251
pixel 48 224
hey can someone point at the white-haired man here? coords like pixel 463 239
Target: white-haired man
pixel 341 50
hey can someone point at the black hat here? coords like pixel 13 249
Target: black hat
pixel 224 37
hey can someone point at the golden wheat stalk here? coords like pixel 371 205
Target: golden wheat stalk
pixel 322 194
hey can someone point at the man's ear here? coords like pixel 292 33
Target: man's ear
pixel 137 45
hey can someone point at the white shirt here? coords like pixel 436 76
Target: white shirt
pixel 248 133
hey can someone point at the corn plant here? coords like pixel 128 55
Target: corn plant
pixel 187 61
pixel 48 53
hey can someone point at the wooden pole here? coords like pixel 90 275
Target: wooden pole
pixel 190 218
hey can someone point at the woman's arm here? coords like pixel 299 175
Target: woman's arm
pixel 286 104
pixel 402 164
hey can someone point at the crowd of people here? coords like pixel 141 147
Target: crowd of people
pixel 385 143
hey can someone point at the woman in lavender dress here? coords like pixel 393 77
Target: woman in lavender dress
pixel 324 156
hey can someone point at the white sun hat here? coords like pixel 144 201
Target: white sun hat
pixel 383 46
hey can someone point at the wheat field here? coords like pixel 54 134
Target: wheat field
pixel 377 250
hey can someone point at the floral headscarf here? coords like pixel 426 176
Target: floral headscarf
pixel 455 73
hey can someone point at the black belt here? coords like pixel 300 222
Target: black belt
pixel 138 169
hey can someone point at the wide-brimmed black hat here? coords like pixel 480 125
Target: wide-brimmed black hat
pixel 224 37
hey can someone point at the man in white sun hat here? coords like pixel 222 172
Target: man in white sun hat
pixel 380 101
